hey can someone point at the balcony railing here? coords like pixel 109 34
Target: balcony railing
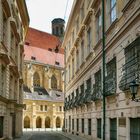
pixel 110 84
pixel 131 71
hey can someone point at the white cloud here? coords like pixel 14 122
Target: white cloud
pixel 42 12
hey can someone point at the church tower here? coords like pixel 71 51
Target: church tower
pixel 58 26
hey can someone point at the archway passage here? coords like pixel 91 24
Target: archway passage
pixel 38 122
pixel 47 122
pixel 58 122
pixel 36 79
pixel 26 122
pixel 53 82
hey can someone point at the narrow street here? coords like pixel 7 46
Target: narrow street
pixel 42 136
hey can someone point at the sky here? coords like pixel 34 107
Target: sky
pixel 42 12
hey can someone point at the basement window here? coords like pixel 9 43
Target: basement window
pixel 27 43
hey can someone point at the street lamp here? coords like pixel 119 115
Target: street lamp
pixel 134 89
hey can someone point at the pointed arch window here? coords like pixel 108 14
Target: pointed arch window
pixel 53 82
pixel 36 79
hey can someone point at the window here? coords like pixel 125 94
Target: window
pixel 99 128
pixel 82 51
pixel 113 129
pixel 131 68
pixel 1 126
pixel 3 79
pixel 77 125
pixel 77 25
pixel 112 10
pixel 98 26
pixel 57 32
pixel 33 58
pixel 82 89
pixel 97 87
pixel 69 73
pixel 89 126
pixel 88 40
pixel 46 108
pixel 111 77
pixel 60 108
pixel 72 67
pixel 88 82
pixel 36 79
pixel 72 124
pixel 134 128
pixel 83 127
pixel 82 12
pixel 53 82
pixel 4 28
pixel 57 63
pixel 77 59
pixel 69 123
pixel 41 107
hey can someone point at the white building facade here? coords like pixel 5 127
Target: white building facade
pixel 83 87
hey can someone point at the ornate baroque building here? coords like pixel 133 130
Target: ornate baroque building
pixel 83 46
pixel 14 22
pixel 43 81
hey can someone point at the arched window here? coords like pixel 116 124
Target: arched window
pixel 53 82
pixel 47 122
pixel 36 79
pixel 58 122
pixel 26 122
pixel 38 122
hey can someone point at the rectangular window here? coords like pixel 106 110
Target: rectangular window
pixel 77 59
pixel 113 129
pixel 72 67
pixel 82 13
pixel 134 128
pixel 83 126
pixel 88 40
pixel 69 72
pixel 41 107
pixel 77 125
pixel 82 89
pixel 60 108
pixel 46 108
pixel 1 126
pixel 3 79
pixel 89 126
pixel 99 126
pixel 111 78
pixel 82 51
pixel 97 90
pixel 69 123
pixel 4 28
pixel 72 124
pixel 112 10
pixel 98 26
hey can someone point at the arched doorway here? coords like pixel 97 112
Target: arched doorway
pixel 58 122
pixel 36 80
pixel 38 122
pixel 53 82
pixel 47 122
pixel 26 122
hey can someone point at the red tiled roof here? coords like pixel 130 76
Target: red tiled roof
pixel 42 40
pixel 43 56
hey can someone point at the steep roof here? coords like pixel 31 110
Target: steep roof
pixel 42 40
pixel 43 56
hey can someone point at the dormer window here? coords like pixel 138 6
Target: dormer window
pixel 27 43
pixel 57 63
pixel 33 58
pixel 50 49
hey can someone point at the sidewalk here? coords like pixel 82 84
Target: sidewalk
pixel 71 136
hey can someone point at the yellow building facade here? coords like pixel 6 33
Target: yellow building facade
pixel 43 87
pixel 83 89
pixel 14 22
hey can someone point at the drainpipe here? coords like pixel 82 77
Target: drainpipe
pixel 103 65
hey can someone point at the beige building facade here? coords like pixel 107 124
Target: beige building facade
pixel 43 83
pixel 83 89
pixel 14 22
